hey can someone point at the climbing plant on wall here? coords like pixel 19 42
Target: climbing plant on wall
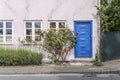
pixel 109 11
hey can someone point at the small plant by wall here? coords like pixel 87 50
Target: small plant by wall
pixel 98 58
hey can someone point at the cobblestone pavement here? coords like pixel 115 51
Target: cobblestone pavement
pixel 110 67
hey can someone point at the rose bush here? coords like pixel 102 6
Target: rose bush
pixel 58 43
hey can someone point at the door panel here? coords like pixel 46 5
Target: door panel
pixel 83 46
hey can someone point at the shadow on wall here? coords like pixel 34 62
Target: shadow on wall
pixel 110 45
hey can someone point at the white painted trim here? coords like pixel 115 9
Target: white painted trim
pixel 33 30
pixel 4 31
pixel 33 27
pixel 24 27
pixel 12 31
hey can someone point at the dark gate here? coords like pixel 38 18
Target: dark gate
pixel 110 45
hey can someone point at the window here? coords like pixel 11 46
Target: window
pixel 57 25
pixel 31 30
pixel 6 31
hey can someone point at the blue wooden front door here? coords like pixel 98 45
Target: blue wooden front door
pixel 83 32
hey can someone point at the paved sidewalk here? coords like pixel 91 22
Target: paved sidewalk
pixel 109 67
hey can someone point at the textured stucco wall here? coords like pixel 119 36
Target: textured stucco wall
pixel 69 10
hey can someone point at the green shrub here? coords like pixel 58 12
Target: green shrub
pixel 97 63
pixel 19 57
pixel 58 62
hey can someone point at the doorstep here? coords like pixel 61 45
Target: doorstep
pixel 80 62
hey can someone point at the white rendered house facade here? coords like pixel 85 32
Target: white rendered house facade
pixel 21 19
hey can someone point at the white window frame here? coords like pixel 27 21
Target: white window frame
pixel 33 28
pixel 4 32
pixel 57 24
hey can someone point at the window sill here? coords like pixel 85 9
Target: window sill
pixel 6 43
pixel 31 43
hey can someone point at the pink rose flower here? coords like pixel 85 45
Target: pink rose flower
pixel 59 51
pixel 77 33
pixel 65 49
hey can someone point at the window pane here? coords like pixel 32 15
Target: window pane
pixel 52 25
pixel 8 38
pixel 1 31
pixel 61 25
pixel 37 31
pixel 8 24
pixel 8 31
pixel 1 24
pixel 28 31
pixel 37 25
pixel 28 38
pixel 1 38
pixel 37 38
pixel 28 24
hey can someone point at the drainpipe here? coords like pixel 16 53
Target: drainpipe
pixel 98 15
pixel 99 32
